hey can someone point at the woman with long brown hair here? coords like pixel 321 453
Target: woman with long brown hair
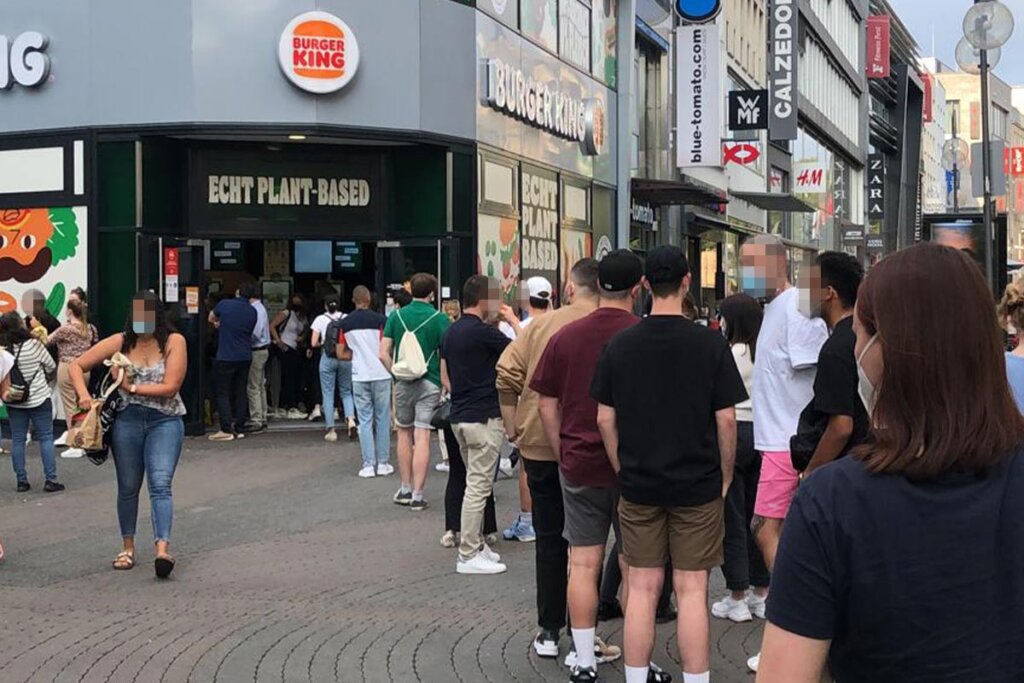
pixel 905 562
pixel 72 339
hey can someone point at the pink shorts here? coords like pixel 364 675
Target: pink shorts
pixel 777 486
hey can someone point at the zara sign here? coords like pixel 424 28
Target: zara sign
pixel 23 60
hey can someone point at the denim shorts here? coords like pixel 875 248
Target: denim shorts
pixel 415 403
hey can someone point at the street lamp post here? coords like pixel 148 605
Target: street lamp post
pixel 987 25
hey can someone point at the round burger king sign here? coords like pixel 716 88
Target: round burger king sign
pixel 318 52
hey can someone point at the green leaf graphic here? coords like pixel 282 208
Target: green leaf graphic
pixel 55 302
pixel 64 241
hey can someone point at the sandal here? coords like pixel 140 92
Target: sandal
pixel 124 561
pixel 163 566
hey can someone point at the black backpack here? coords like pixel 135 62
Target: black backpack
pixel 331 336
pixel 18 392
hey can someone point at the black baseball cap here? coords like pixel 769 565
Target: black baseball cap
pixel 619 270
pixel 666 264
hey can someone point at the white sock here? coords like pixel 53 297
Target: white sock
pixel 635 674
pixel 583 639
pixel 697 678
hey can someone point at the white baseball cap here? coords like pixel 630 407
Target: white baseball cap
pixel 539 288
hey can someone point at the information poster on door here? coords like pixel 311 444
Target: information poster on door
pixel 576 244
pixel 498 256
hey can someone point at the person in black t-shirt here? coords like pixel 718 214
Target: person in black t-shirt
pixel 835 420
pixel 904 562
pixel 666 390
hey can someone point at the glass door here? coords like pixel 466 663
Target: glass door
pixel 400 260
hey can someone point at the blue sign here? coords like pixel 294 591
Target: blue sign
pixel 698 11
pixel 950 182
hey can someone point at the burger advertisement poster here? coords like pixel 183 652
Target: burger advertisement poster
pixel 42 249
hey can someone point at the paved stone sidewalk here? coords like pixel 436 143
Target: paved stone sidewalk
pixel 290 569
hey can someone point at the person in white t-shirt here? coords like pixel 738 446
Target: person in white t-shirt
pixel 787 353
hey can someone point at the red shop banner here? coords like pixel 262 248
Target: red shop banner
pixel 879 45
pixel 926 110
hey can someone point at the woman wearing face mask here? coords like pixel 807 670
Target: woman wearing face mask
pixel 147 436
pixel 905 562
pixel 335 375
pixel 72 339
pixel 744 566
pixel 290 331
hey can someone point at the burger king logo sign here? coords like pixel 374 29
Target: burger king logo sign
pixel 318 52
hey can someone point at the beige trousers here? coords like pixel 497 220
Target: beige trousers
pixel 256 389
pixel 480 444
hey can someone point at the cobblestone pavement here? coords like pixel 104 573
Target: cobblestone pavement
pixel 290 569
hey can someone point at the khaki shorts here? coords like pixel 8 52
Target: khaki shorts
pixel 693 536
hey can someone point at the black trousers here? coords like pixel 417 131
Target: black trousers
pixel 455 491
pixel 744 566
pixel 611 579
pixel 232 400
pixel 292 379
pixel 551 548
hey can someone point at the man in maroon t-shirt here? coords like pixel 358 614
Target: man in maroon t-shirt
pixel 569 415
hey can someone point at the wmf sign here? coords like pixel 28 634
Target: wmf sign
pixel 748 110
pixel 698 11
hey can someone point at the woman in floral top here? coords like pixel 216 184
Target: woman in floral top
pixel 73 338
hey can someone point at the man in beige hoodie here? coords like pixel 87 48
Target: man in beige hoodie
pixel 519 410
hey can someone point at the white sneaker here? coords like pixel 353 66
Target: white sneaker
pixel 295 414
pixel 757 603
pixel 315 415
pixel 479 564
pixel 441 467
pixel 603 653
pixel 384 470
pixel 331 435
pixel 490 554
pixel 61 440
pixel 367 473
pixel 73 453
pixel 754 662
pixel 733 610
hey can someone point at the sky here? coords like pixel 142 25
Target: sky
pixel 943 19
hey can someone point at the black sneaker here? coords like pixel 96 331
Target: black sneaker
pixel 546 644
pixel 24 486
pixel 53 486
pixel 655 674
pixel 582 675
pixel 254 428
pixel 666 614
pixel 402 498
pixel 607 611
pixel 418 505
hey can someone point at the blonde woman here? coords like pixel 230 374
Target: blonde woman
pixel 72 339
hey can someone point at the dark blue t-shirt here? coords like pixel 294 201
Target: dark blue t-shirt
pixel 234 336
pixel 912 582
pixel 471 349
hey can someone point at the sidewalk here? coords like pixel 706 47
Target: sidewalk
pixel 290 568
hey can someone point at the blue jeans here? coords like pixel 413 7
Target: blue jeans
pixel 41 418
pixel 336 373
pixel 373 405
pixel 146 442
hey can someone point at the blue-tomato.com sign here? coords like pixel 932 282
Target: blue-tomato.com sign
pixel 698 11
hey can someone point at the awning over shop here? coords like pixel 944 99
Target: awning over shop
pixel 667 192
pixel 772 201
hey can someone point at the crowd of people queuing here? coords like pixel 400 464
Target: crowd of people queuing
pixel 845 449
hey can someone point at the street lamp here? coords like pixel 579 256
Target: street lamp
pixel 988 25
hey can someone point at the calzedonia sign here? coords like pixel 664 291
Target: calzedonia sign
pixel 514 93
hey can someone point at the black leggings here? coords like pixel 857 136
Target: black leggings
pixel 456 490
pixel 744 566
pixel 292 378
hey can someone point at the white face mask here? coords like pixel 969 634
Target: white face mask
pixel 866 390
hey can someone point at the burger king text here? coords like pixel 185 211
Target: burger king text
pixel 292 191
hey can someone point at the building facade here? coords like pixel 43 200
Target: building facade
pixel 310 146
